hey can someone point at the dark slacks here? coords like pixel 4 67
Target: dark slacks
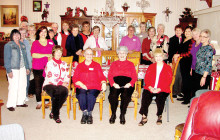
pixel 39 80
pixel 58 96
pixel 125 94
pixel 177 87
pixel 87 98
pixel 147 99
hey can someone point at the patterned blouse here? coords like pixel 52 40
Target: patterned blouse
pixel 204 60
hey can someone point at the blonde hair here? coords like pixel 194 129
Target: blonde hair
pixel 206 31
pixel 158 51
pixel 197 30
pixel 31 26
pixel 56 48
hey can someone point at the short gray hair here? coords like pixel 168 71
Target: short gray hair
pixel 122 49
pixel 206 31
pixel 161 25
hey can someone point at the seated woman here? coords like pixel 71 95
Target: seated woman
pixel 122 77
pixel 89 81
pixel 96 42
pixel 157 79
pixel 56 82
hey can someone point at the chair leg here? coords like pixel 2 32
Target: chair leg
pixel 110 111
pixel 74 108
pixel 139 88
pixel 68 106
pixel 177 134
pixel 135 108
pixel 100 108
pixel 43 106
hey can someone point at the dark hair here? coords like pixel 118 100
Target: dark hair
pixel 96 27
pixel 50 30
pixel 178 26
pixel 74 26
pixel 152 28
pixel 14 31
pixel 40 30
pixel 56 48
pixel 189 27
pixel 85 22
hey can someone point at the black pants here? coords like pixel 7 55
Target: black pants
pixel 58 96
pixel 125 94
pixel 196 82
pixel 177 87
pixel 39 80
pixel 31 89
pixel 185 67
pixel 147 99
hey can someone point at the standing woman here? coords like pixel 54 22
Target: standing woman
pixel 185 64
pixel 131 41
pixel 122 77
pixel 41 49
pixel 16 65
pixel 204 56
pixel 56 82
pixel 96 42
pixel 157 79
pixel 147 57
pixel 89 81
pixel 85 31
pixel 62 36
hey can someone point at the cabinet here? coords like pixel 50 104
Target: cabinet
pixel 184 22
pixel 76 19
pixel 113 36
pixel 47 24
pixel 2 44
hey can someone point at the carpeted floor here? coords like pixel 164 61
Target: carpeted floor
pixel 37 128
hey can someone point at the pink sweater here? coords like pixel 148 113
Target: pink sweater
pixel 40 63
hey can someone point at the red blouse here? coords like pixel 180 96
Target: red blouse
pixel 165 78
pixel 63 43
pixel 146 48
pixel 122 68
pixel 90 75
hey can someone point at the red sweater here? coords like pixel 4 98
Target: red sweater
pixel 91 75
pixel 122 68
pixel 146 47
pixel 165 78
pixel 85 37
pixel 63 43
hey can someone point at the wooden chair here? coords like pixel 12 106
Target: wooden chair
pixel 45 96
pixel 134 97
pixel 100 97
pixel 109 55
pixel 134 55
pixel 178 131
pixel 1 104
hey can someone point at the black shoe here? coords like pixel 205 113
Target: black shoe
pixel 84 119
pixel 143 121
pixel 185 102
pixel 24 105
pixel 180 95
pixel 180 99
pixel 51 115
pixel 57 120
pixel 122 119
pixel 174 96
pixel 90 119
pixel 11 109
pixel 112 119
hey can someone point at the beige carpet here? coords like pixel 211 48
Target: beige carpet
pixel 37 128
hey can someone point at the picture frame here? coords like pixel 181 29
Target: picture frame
pixel 9 16
pixel 1 35
pixel 37 6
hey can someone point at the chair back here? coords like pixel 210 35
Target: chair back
pixel 96 59
pixel 69 61
pixel 134 55
pixel 94 52
pixel 109 55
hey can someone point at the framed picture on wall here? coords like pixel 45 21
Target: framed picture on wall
pixel 9 16
pixel 37 6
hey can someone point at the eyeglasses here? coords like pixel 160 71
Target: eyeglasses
pixel 203 36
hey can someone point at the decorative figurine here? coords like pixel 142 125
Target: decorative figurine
pixel 44 16
pixel 143 4
pixel 69 12
pixel 125 7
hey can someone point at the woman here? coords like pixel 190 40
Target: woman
pixel 122 77
pixel 185 64
pixel 96 42
pixel 62 36
pixel 31 34
pixel 89 80
pixel 51 35
pixel 26 43
pixel 204 57
pixel 132 42
pixel 160 41
pixel 157 79
pixel 74 43
pixel 16 65
pixel 41 50
pixel 147 58
pixel 56 87
pixel 85 31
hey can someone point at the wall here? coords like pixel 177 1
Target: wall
pixel 203 5
pixel 58 7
